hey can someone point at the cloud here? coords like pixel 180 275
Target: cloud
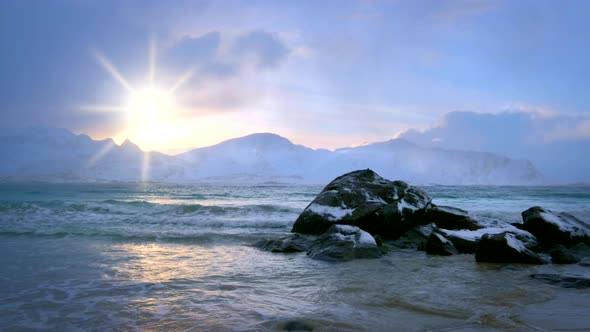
pixel 263 48
pixel 556 143
pixel 191 50
pixel 258 49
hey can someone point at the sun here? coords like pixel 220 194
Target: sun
pixel 148 107
pixel 152 116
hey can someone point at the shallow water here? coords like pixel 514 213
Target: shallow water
pixel 169 257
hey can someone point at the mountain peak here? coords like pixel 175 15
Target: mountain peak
pixel 261 140
pixel 127 144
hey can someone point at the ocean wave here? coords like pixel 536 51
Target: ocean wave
pixel 141 206
pixel 203 238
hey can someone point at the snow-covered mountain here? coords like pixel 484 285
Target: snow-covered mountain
pixel 58 155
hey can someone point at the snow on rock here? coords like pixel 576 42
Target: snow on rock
pixel 477 234
pixel 344 242
pixel 466 241
pixel 439 245
pixel 505 248
pixel 359 237
pixel 452 218
pixel 365 199
pixel 514 243
pixel 552 228
pixel 330 212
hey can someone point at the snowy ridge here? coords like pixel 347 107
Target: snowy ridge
pixel 58 155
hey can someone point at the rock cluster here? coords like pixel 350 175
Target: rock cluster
pixel 356 211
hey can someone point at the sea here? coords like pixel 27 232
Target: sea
pixel 177 257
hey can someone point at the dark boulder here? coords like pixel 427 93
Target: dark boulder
pixel 287 244
pixel 561 255
pixel 364 199
pixel 504 248
pixel 562 281
pixel 555 228
pixel 415 238
pixel 448 217
pixel 439 245
pixel 464 242
pixel 344 243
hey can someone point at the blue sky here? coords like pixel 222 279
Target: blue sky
pixel 322 73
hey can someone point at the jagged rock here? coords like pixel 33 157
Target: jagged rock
pixel 364 199
pixel 287 244
pixel 504 248
pixel 448 217
pixel 415 238
pixel 439 245
pixel 555 228
pixel 563 281
pixel 560 255
pixel 343 243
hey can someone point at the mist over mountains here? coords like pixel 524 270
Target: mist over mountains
pixel 50 154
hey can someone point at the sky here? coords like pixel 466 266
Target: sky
pixel 174 75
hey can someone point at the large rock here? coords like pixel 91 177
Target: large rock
pixel 448 217
pixel 504 248
pixel 287 244
pixel 555 228
pixel 439 245
pixel 344 243
pixel 415 238
pixel 364 199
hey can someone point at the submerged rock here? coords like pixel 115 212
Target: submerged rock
pixel 563 281
pixel 560 255
pixel 343 243
pixel 504 248
pixel 448 217
pixel 364 199
pixel 555 228
pixel 294 325
pixel 287 244
pixel 439 245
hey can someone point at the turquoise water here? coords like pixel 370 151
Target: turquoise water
pixel 175 257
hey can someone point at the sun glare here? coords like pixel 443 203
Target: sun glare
pixel 152 116
pixel 148 107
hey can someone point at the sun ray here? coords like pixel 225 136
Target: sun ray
pixel 181 80
pixel 145 167
pixel 101 153
pixel 101 108
pixel 111 69
pixel 153 55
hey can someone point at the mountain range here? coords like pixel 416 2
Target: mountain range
pixel 51 154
